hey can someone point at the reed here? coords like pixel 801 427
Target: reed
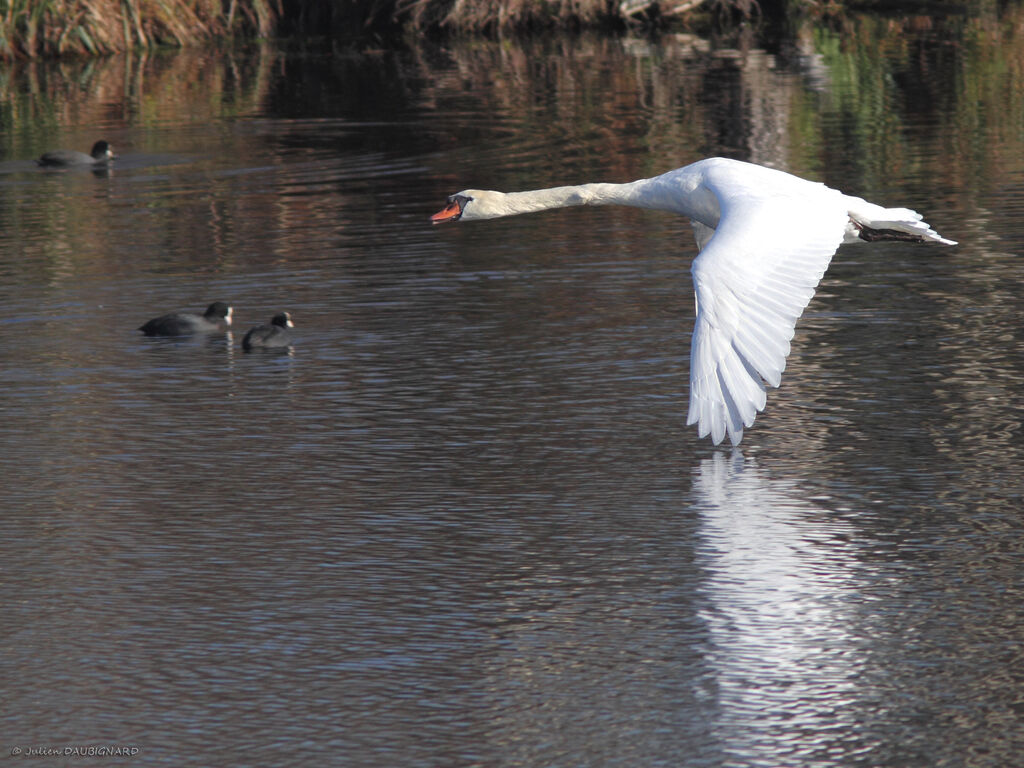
pixel 36 28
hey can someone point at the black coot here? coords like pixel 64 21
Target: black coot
pixel 273 336
pixel 62 158
pixel 217 317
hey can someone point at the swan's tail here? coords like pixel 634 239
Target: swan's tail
pixel 871 223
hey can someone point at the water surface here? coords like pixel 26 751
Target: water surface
pixel 462 521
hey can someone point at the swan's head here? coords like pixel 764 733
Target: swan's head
pixel 470 204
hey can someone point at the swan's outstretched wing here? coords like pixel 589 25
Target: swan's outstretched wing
pixel 752 280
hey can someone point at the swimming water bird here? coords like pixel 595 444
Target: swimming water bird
pixel 765 238
pixel 217 317
pixel 273 336
pixel 101 154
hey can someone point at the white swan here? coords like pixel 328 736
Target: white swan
pixel 765 239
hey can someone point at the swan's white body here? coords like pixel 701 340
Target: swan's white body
pixel 765 238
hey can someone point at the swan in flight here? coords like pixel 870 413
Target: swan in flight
pixel 765 238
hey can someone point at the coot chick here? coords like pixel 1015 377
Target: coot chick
pixel 217 317
pixel 273 336
pixel 62 158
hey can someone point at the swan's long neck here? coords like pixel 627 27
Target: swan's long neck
pixel 566 197
pixel 645 193
pixel 678 191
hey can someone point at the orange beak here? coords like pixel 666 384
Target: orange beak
pixel 450 212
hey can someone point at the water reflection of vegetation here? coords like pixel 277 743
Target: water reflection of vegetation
pixel 961 78
pixel 39 99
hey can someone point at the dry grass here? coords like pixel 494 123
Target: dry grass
pixel 33 28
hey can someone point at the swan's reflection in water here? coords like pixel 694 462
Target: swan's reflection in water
pixel 780 597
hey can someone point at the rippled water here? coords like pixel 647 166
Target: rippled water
pixel 462 521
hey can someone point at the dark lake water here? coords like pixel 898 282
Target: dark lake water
pixel 462 521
